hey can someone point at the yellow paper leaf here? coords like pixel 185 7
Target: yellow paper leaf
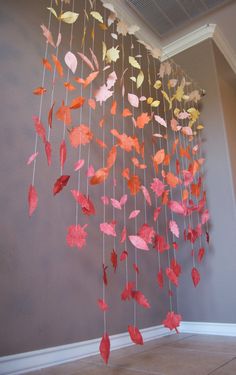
pixel 133 62
pixel 53 11
pixel 140 79
pixel 179 93
pixel 112 54
pixel 194 114
pixel 176 112
pixel 165 95
pixel 155 104
pixel 157 85
pixel 69 17
pixel 103 27
pixel 104 51
pixel 200 127
pixel 97 16
pixel 133 79
pixel 149 100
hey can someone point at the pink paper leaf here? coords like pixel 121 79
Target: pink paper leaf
pixel 32 157
pixel 138 242
pixel 108 229
pixel 134 214
pixel 78 165
pixel 160 121
pixel 133 100
pixel 86 60
pixel 71 61
pixel 146 195
pixel 174 228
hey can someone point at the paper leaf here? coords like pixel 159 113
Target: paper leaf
pixel 97 16
pixel 69 17
pixel 195 276
pixel 80 135
pixel 48 35
pixel 77 102
pixel 39 128
pixel 32 158
pixel 176 207
pixel 160 278
pixel 147 233
pixel 172 321
pixel 138 242
pixel 201 253
pixel 102 94
pixel 134 184
pixel 60 183
pixel 78 165
pixel 133 100
pixel 174 228
pixel 160 120
pixel 114 259
pixel 142 120
pixel 71 61
pixel 156 213
pixel 102 305
pixel 172 276
pixel 140 79
pixel 135 335
pixel 32 199
pixel 116 204
pixel 48 151
pixel 99 176
pixel 159 157
pixel 39 91
pixel 141 299
pixel 108 229
pixel 146 195
pixel 134 214
pixel 158 187
pixel 112 55
pixel 52 11
pixel 76 236
pixel 58 65
pixel 155 103
pixel 62 153
pixel 86 60
pixel 104 347
pixel 133 62
pixel 50 115
pixel 123 235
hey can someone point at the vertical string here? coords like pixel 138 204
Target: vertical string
pixel 41 97
pixel 113 142
pixel 80 119
pixel 165 212
pixel 90 109
pixel 123 155
pixel 67 80
pixel 104 188
pixel 135 198
pixel 153 147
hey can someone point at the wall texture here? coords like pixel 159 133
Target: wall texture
pixel 49 292
pixel 213 300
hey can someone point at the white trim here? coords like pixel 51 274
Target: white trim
pixel 30 361
pixel 205 328
pixel 187 41
pixel 225 48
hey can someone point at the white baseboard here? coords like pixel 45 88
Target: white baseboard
pixel 30 361
pixel 221 329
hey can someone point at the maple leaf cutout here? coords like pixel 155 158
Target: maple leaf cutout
pixel 76 236
pixel 172 321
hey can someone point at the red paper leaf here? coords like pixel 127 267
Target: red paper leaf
pixel 158 187
pixel 146 195
pixel 48 151
pixel 39 91
pixel 201 253
pixel 134 185
pixel 60 183
pixel 77 102
pixel 126 112
pixel 142 120
pixel 176 267
pixel 32 199
pixel 177 207
pixel 111 158
pixel 62 153
pixel 39 128
pixel 174 228
pixel 160 278
pixel 64 114
pixel 195 276
pixel 105 347
pixel 58 65
pixel 141 299
pixel 32 158
pixel 102 305
pixel 134 214
pixel 80 135
pixel 146 233
pixel 123 235
pixel 99 176
pixel 108 229
pixel 135 335
pixel 92 103
pixel 104 274
pixel 114 259
pixel 135 267
pixel 113 108
pixel 127 291
pixel 160 243
pixel 172 321
pixel 85 202
pixel 172 276
pixel 156 213
pixel 138 242
pixel 123 255
pixel 50 114
pixel 78 165
pixel 76 236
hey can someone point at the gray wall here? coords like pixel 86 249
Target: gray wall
pixel 214 299
pixel 49 292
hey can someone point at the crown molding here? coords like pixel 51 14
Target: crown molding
pixel 225 48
